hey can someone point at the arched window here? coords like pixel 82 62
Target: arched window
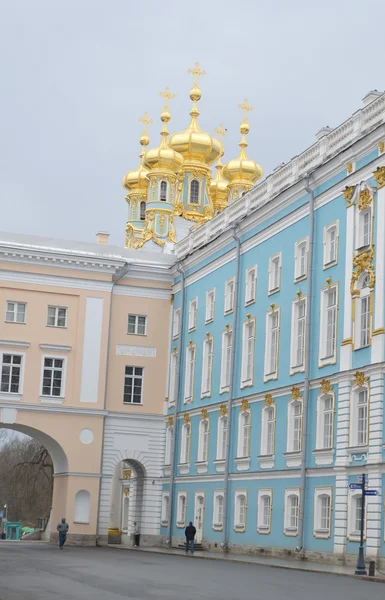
pixel 359 417
pixel 203 442
pixel 82 507
pixel 181 509
pixel 163 191
pixel 294 434
pixel 165 505
pixel 325 417
pixel 169 434
pixel 185 444
pixel 264 511
pixel 268 431
pixel 322 512
pixel 291 512
pixel 142 211
pixel 194 192
pixel 222 437
pixel 218 511
pixel 244 434
pixel 240 511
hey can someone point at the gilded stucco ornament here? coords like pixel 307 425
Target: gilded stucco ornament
pixel 363 262
pixel 349 167
pixel 186 418
pixel 365 199
pixel 223 410
pixel 381 146
pixel 325 386
pixel 268 400
pixel 360 379
pixel 204 413
pixel 379 176
pixel 295 393
pixel 170 421
pixel 245 405
pixel 348 194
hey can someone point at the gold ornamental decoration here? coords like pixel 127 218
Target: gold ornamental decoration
pixel 363 262
pixel 349 167
pixel 126 491
pixel 170 421
pixel 186 418
pixel 295 393
pixel 381 146
pixel 204 413
pixel 348 194
pixel 359 378
pixel 365 199
pixel 268 400
pixel 223 410
pixel 325 386
pixel 245 405
pixel 127 474
pixel 379 175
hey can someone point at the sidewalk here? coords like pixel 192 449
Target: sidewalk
pixel 277 563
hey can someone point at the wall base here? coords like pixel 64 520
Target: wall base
pixel 74 539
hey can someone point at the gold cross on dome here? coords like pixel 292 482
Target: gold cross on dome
pixel 245 107
pixel 167 95
pixel 220 132
pixel 145 120
pixel 197 73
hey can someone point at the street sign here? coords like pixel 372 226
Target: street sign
pixel 355 486
pixel 371 493
pixel 359 478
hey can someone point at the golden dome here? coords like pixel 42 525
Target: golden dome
pixel 137 179
pixel 218 189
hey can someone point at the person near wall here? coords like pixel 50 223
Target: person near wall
pixel 63 530
pixel 136 535
pixel 190 532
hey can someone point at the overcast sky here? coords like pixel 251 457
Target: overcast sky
pixel 76 75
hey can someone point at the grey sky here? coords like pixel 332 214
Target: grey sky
pixel 77 74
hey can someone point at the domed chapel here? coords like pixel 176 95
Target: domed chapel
pixel 174 187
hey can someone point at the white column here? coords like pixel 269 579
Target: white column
pixel 378 337
pixel 91 350
pixel 376 417
pixel 346 348
pixel 151 506
pixel 105 503
pixel 342 423
pixel 373 516
pixel 341 512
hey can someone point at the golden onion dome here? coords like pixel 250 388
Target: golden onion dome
pixel 218 189
pixel 137 179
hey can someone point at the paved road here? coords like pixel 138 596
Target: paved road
pixel 42 572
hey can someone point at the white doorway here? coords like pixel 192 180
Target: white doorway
pixel 125 524
pixel 199 511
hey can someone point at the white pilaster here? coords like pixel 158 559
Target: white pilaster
pixel 341 513
pixel 376 417
pixel 378 338
pixel 373 516
pixel 342 423
pixel 346 348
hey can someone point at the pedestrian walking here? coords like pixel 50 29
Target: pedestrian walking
pixel 190 532
pixel 136 535
pixel 63 530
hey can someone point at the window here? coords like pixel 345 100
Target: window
pixel 137 325
pixel 194 192
pixel 322 512
pixel 363 318
pixel 330 245
pixel 222 437
pixel 274 273
pixel 240 511
pixel 192 314
pixel 294 434
pixel 185 444
pixel 142 211
pixel 190 371
pixel 203 441
pixel 218 510
pixel 354 516
pixel 11 373
pixel 227 341
pixel 268 430
pixel 15 312
pixel 165 506
pixel 229 296
pixel 248 353
pixel 53 376
pixel 57 316
pixel 264 511
pixel 133 385
pixel 272 344
pixel 325 419
pixel 328 326
pixel 364 233
pixel 176 323
pixel 298 335
pixel 82 507
pixel 244 427
pixel 291 511
pixel 163 191
pixel 210 305
pixel 251 285
pixel 300 260
pixel 181 509
pixel 359 417
pixel 207 367
pixel 167 453
pixel 173 378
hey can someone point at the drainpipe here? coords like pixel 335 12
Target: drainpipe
pixel 224 544
pixel 306 386
pixel 119 275
pixel 178 387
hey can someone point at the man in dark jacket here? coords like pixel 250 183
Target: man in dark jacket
pixel 62 529
pixel 190 532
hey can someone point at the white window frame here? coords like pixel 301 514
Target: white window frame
pixel 64 377
pixel 294 338
pixel 193 314
pixel 17 303
pixel 292 417
pixel 168 445
pixel 266 410
pixel 210 305
pixel 21 378
pixel 222 437
pixel 238 526
pixel 189 373
pixel 173 374
pixel 217 523
pixel 325 357
pixel 136 326
pixel 229 295
pixel 318 530
pixel 360 228
pixel 298 274
pixel 207 367
pixel 274 285
pixel 320 426
pixel 262 527
pixel 329 261
pixel 364 293
pixel 176 323
pixel 134 375
pixel 165 507
pixel 272 335
pixel 251 285
pixel 355 406
pixel 181 509
pixel 244 428
pixel 204 440
pixel 226 353
pixel 354 535
pixel 289 529
pixel 185 444
pixel 248 351
pixel 56 316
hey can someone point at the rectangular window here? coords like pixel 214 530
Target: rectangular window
pixel 270 430
pixel 207 367
pixel 330 245
pixel 251 285
pixel 362 418
pixel 240 510
pixel 189 375
pixel 229 296
pixel 222 437
pixel 325 513
pixel 272 342
pixel 297 427
pixel 365 321
pixel 53 376
pixel 274 273
pixel 218 510
pixel 227 341
pixel 11 373
pixel 176 323
pixel 15 312
pixel 210 305
pixel 165 505
pixel 298 332
pixel 327 415
pixel 185 444
pixel 192 314
pixel 291 511
pixel 173 376
pixel 358 513
pixel 248 353
pixel 57 316
pixel 137 324
pixel 181 509
pixel 322 512
pixel 366 228
pixel 133 385
pixel 331 314
pixel 300 259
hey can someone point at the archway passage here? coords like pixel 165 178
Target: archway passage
pixel 127 492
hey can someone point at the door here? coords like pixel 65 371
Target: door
pixel 199 516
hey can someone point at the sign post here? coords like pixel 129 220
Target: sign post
pixel 360 569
